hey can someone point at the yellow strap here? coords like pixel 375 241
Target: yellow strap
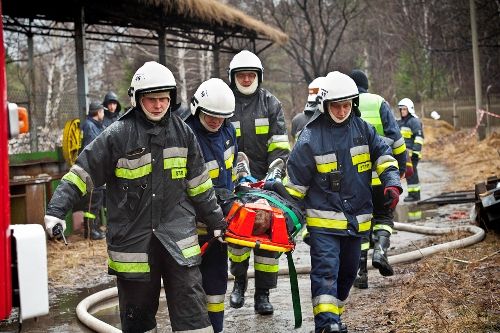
pixel 245 243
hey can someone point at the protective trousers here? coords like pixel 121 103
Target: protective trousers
pixel 214 274
pixel 334 263
pixel 186 301
pixel 414 182
pixel 383 217
pixel 265 265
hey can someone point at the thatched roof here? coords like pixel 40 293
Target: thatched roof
pixel 215 12
pixel 185 19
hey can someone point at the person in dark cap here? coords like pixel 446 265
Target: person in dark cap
pixel 112 108
pixel 376 111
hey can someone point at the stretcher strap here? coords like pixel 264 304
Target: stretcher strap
pixel 294 286
pixel 281 206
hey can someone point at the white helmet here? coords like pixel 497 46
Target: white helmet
pixel 338 87
pixel 314 89
pixel 245 61
pixel 152 77
pixel 215 98
pixel 409 104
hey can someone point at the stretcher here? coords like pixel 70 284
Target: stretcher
pixel 278 238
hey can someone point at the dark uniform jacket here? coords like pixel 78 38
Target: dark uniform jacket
pixel 411 130
pixel 219 151
pixel 300 120
pixel 330 168
pixel 110 117
pixel 156 177
pixel 260 129
pixel 91 129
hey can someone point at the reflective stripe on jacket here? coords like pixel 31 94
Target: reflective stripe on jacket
pixel 411 130
pixel 352 149
pixel 155 177
pixel 260 129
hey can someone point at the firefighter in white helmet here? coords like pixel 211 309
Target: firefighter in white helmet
pixel 211 106
pixel 156 179
pixel 301 119
pixel 262 136
pixel 412 131
pixel 329 169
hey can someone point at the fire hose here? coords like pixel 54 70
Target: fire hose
pixel 478 234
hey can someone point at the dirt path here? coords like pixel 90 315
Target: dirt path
pixel 451 292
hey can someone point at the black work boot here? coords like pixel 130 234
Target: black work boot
pixel 381 244
pixel 237 298
pixel 412 197
pixel 332 328
pixel 361 281
pixel 262 305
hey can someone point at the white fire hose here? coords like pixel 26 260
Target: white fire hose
pixel 478 234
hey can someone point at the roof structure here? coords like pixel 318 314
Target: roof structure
pixel 193 24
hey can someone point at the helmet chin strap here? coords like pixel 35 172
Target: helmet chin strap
pixel 337 120
pixel 204 123
pixel 248 90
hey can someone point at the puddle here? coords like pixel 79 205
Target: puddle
pixel 415 213
pixel 62 315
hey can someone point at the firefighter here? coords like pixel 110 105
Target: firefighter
pixel 301 119
pixel 262 136
pixel 376 111
pixel 411 129
pixel 157 182
pixel 211 106
pixel 112 108
pixel 329 169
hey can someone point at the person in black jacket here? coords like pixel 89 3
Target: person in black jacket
pixel 262 136
pixel 300 120
pixel 112 108
pixel 157 184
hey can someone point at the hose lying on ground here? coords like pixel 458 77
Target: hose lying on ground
pixel 478 234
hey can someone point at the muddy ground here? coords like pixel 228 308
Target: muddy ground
pixel 455 291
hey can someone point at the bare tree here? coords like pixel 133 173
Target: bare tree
pixel 315 29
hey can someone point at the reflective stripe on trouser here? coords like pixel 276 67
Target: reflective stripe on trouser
pixel 186 301
pixel 265 265
pixel 334 265
pixel 413 182
pixel 214 274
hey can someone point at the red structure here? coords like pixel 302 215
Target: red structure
pixel 5 260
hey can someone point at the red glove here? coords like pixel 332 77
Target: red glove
pixel 409 170
pixel 391 194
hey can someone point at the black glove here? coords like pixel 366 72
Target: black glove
pixel 415 157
